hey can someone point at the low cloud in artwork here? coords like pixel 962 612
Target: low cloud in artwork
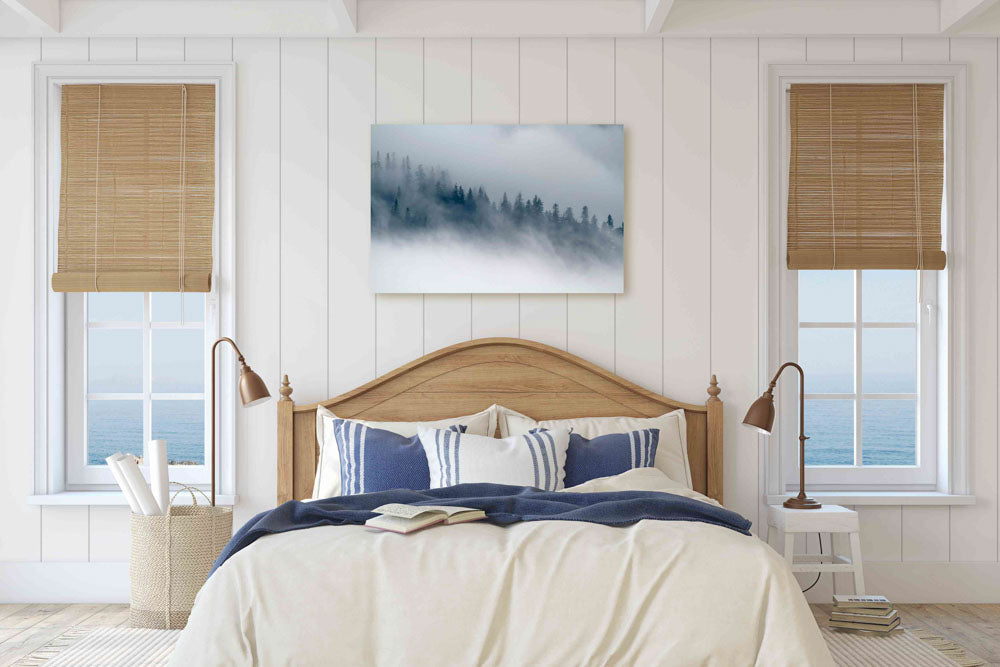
pixel 497 208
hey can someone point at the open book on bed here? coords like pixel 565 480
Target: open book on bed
pixel 402 518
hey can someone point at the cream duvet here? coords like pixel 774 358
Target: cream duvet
pixel 541 593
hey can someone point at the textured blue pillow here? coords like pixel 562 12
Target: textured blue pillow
pixel 610 454
pixel 375 460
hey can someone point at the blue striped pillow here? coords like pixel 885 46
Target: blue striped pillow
pixel 372 459
pixel 608 455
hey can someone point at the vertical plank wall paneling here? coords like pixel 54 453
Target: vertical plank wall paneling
pixel 590 98
pixel 113 48
pixel 151 49
pixel 639 311
pixel 399 82
pixel 694 169
pixel 21 537
pixel 974 529
pixel 352 305
pixel 542 99
pixel 734 258
pixel 258 269
pixel 447 99
pixel 495 99
pixel 687 206
pixel 303 213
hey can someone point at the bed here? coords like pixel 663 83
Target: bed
pixel 540 593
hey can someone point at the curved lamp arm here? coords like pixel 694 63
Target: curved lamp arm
pixel 252 390
pixel 761 416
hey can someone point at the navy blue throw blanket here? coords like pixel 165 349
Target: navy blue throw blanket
pixel 503 504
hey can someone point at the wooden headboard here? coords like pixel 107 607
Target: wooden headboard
pixel 540 381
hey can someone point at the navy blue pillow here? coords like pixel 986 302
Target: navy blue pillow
pixel 372 459
pixel 610 454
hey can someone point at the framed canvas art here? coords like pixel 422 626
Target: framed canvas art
pixel 497 208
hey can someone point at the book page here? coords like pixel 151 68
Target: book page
pixel 449 510
pixel 405 511
pixel 410 511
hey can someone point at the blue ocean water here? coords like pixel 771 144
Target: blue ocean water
pixel 116 426
pixel 889 428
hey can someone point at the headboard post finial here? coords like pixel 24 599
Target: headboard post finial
pixel 713 389
pixel 714 445
pixel 286 443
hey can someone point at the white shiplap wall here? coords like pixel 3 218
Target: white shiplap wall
pixel 694 164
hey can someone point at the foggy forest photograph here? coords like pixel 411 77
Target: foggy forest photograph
pixel 497 208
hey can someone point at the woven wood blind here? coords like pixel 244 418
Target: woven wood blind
pixel 137 194
pixel 866 175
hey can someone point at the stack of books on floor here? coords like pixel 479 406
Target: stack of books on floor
pixel 864 613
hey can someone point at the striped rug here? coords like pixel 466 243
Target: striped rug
pixel 112 647
pixel 902 648
pixel 107 647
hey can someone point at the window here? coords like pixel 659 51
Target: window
pixel 867 340
pixel 138 372
pixel 883 349
pixel 114 369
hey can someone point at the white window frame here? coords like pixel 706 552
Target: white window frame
pixel 80 473
pixel 943 445
pixel 52 309
pixel 924 473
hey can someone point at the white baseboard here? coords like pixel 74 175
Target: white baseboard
pixel 963 582
pixel 33 581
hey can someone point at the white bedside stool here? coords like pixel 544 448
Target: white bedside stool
pixel 827 519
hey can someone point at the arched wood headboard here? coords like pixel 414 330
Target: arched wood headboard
pixel 540 381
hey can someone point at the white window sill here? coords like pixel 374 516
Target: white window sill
pixel 881 498
pixel 114 498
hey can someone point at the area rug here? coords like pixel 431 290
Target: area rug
pixel 902 648
pixel 105 647
pixel 112 647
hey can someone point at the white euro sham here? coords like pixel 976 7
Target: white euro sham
pixel 537 459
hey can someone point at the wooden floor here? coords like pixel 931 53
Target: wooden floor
pixel 976 627
pixel 26 627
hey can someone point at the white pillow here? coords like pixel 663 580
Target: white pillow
pixel 327 482
pixel 537 459
pixel 671 452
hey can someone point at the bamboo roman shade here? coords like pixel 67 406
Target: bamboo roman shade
pixel 137 193
pixel 866 176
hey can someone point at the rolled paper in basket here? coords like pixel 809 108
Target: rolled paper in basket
pixel 113 466
pixel 158 476
pixel 134 478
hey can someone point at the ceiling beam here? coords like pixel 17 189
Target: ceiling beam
pixel 656 14
pixel 957 14
pixel 42 13
pixel 346 13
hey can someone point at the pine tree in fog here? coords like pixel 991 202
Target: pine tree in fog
pixel 424 202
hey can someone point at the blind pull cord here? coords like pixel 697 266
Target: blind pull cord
pixel 97 189
pixel 916 182
pixel 180 240
pixel 833 199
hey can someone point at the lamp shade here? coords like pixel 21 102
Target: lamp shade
pixel 761 414
pixel 252 388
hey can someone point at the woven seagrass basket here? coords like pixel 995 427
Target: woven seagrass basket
pixel 171 558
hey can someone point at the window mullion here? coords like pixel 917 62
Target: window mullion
pixel 147 374
pixel 858 386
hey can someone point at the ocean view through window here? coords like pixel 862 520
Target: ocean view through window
pixel 145 374
pixel 858 341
